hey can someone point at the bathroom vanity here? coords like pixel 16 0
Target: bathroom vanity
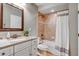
pixel 22 46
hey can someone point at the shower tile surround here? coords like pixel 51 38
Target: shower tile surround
pixel 45 30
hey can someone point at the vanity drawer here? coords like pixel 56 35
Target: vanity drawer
pixel 6 51
pixel 22 46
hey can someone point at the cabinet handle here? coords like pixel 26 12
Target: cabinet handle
pixel 3 53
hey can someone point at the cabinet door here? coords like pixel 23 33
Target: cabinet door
pixel 34 50
pixel 6 51
pixel 30 50
pixel 22 46
pixel 23 52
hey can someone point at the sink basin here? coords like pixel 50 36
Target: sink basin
pixel 7 41
pixel 4 43
pixel 10 41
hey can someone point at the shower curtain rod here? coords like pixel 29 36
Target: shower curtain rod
pixel 57 11
pixel 60 11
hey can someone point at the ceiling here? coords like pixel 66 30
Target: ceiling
pixel 46 8
pixel 46 4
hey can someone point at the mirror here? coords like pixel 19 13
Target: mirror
pixel 12 17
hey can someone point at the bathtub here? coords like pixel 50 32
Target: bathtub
pixel 47 45
pixel 51 46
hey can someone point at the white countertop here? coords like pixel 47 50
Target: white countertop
pixel 12 41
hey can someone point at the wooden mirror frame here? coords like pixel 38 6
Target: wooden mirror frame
pixel 1 20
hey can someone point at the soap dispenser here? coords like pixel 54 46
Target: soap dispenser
pixel 8 35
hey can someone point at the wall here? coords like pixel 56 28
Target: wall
pixel 30 20
pixel 78 31
pixel 41 24
pixel 50 27
pixel 46 26
pixel 73 29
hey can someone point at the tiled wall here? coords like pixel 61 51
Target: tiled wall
pixel 50 27
pixel 46 26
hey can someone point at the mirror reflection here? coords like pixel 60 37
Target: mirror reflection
pixel 11 16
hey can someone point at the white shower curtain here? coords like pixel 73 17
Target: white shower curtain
pixel 62 34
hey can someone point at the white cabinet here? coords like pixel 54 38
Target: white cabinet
pixel 6 51
pixel 22 46
pixel 23 52
pixel 34 47
pixel 23 49
pixel 27 48
pixel 30 50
